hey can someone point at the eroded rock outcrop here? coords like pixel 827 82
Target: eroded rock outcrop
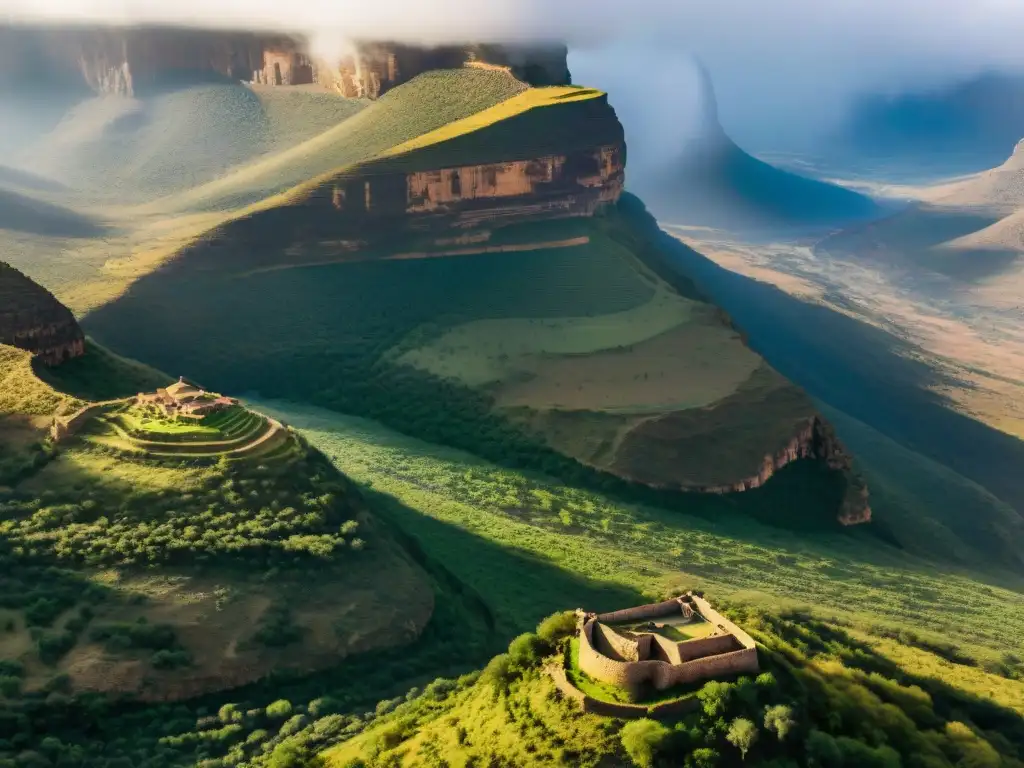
pixel 33 320
pixel 553 186
pixel 815 440
pixel 128 61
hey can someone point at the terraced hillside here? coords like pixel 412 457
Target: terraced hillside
pixel 235 433
pixel 477 285
pixel 127 541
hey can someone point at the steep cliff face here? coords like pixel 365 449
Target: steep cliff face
pixel 815 440
pixel 33 320
pixel 128 61
pixel 554 186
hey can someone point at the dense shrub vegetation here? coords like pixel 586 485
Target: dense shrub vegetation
pixel 824 700
pixel 243 514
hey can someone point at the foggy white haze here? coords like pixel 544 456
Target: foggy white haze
pixel 784 70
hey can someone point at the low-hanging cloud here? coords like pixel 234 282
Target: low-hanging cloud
pixel 772 61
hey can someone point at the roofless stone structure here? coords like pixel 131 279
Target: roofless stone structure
pixel 640 648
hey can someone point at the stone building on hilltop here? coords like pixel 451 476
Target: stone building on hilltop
pixel 186 400
pixel 662 645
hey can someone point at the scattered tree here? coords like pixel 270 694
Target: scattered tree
pixel 779 720
pixel 715 697
pixel 643 740
pixel 742 735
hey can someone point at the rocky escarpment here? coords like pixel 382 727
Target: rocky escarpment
pixel 33 320
pixel 375 68
pixel 128 61
pixel 523 169
pixel 552 186
pixel 816 440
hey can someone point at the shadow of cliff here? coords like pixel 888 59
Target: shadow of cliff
pixel 857 368
pixel 21 213
pixel 17 178
pixel 485 595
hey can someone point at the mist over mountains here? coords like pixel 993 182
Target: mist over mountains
pixel 771 62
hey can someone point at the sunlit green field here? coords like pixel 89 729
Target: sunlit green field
pixel 442 495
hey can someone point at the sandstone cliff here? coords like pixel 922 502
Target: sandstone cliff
pixel 32 319
pixel 553 186
pixel 128 61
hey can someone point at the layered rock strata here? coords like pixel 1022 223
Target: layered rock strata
pixel 33 320
pixel 128 61
pixel 553 186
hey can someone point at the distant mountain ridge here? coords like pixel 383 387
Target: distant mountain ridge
pixel 714 182
pixel 129 61
pixel 963 127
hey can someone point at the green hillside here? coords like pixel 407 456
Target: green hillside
pixel 453 422
pixel 129 548
pixel 824 697
pixel 129 150
pixel 426 103
pixel 453 349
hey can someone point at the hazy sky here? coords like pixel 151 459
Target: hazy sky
pixel 772 60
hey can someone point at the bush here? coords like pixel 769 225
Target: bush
pixel 526 652
pixel 325 705
pixel 643 740
pixel 822 750
pixel 277 629
pixel 742 735
pixel 705 757
pixel 10 686
pixel 557 626
pixel 715 698
pixel 170 659
pixel 279 710
pixel 779 720
pixel 122 636
pixel 498 673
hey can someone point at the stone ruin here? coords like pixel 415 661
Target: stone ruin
pixel 643 660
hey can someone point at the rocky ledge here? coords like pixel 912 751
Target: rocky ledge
pixel 816 440
pixel 33 320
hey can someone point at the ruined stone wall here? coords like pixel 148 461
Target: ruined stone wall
pixel 610 643
pixel 587 703
pixel 719 620
pixel 731 652
pixel 604 668
pixel 641 612
pixel 707 646
pixel 64 427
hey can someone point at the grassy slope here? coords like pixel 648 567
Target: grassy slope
pixel 852 687
pixel 449 495
pixel 144 237
pixel 81 487
pixel 123 151
pixel 929 507
pixel 526 726
pixel 426 103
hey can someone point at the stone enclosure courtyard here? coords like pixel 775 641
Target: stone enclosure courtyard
pixel 640 661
